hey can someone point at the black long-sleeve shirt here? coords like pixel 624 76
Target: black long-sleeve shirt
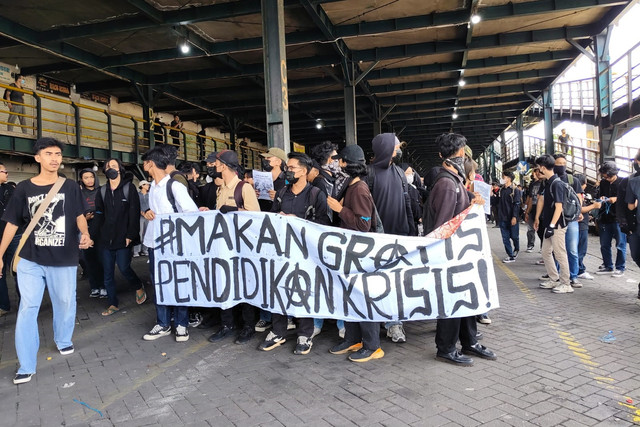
pixel 117 216
pixel 298 204
pixel 509 205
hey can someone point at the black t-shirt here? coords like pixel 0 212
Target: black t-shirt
pixel 556 195
pixel 15 95
pixel 54 241
pixel 297 204
pixel 534 190
pixel 608 210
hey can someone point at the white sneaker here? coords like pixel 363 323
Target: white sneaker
pixel 316 332
pixel 585 275
pixel 157 332
pixel 341 332
pixel 576 284
pixel 562 289
pixel 182 334
pixel 550 284
pixel 618 273
pixel 396 333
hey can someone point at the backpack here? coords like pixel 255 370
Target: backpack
pixel 237 197
pixel 310 213
pixel 125 191
pixel 571 205
pixel 428 217
pixel 371 181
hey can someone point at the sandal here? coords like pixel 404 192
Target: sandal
pixel 109 311
pixel 141 296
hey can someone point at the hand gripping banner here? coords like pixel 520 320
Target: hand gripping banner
pixel 284 264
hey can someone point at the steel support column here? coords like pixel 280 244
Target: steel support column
pixel 350 125
pixel 520 131
pixel 377 123
pixel 492 153
pixel 603 89
pixel 547 102
pixel 275 74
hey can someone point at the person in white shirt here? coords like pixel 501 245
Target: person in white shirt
pixel 155 164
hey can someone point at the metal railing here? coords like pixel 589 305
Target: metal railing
pixel 85 125
pixel 625 81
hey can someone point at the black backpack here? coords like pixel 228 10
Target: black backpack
pixel 571 205
pixel 310 213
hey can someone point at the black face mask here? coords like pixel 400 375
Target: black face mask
pixel 111 173
pixel 213 172
pixel 560 170
pixel 398 155
pixel 458 163
pixel 290 178
pixel 266 165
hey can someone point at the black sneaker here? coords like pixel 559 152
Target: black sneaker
pixel 345 347
pixel 66 350
pixel 157 332
pixel 262 325
pixel 95 293
pixel 222 333
pixel 364 355
pixel 195 319
pixel 303 346
pixel 271 341
pixel 22 378
pixel 245 335
pixel 515 254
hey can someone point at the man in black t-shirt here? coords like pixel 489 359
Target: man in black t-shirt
pixel 532 203
pixel 608 223
pixel 49 256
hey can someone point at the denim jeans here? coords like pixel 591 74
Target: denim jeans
pixel 5 304
pixel 317 323
pixel 510 233
pixel 571 244
pixel 388 325
pixel 265 315
pixel 164 312
pixel 121 257
pixel 61 285
pixel 609 232
pixel 583 241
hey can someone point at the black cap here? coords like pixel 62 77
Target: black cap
pixel 228 157
pixel 351 154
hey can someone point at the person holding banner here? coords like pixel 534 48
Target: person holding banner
pixel 448 198
pixel 234 195
pixel 301 199
pixel 357 212
pixel 155 163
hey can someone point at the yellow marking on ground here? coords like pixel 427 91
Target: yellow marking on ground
pixel 515 279
pixel 606 379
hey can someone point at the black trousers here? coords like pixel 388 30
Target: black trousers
pixel 248 315
pixel 448 331
pixel 367 332
pixel 305 325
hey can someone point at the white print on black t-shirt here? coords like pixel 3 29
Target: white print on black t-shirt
pixel 50 230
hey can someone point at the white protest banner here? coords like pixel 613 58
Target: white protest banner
pixel 284 264
pixel 263 182
pixel 485 191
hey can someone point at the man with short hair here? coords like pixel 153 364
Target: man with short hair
pixel 508 214
pixel 608 222
pixel 549 216
pixel 227 201
pixel 15 102
pixel 448 198
pixel 274 161
pixel 532 203
pixel 301 199
pixel 49 256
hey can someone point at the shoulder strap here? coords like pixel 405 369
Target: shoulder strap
pixel 371 178
pixel 36 218
pixel 170 196
pixel 237 195
pixel 103 192
pixel 125 190
pixel 311 203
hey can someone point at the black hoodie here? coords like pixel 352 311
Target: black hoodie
pixel 390 192
pixel 89 197
pixel 117 216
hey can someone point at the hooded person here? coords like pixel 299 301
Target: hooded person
pixel 91 257
pixel 414 193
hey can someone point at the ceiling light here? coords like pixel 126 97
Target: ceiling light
pixel 185 47
pixel 461 82
pixel 319 124
pixel 475 18
pixel 454 116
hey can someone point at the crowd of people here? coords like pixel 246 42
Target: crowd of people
pixel 56 224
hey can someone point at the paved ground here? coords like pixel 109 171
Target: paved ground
pixel 552 368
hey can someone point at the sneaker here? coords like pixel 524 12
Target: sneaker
pixel 550 284
pixel 136 255
pixel 103 293
pixel 245 335
pixel 144 254
pixel 605 271
pixel 575 284
pixel 342 332
pixel 316 332
pixel 22 378
pixel 291 325
pixel 509 259
pixel 544 277
pixel 396 333
pixel 585 275
pixel 304 346
pixel 182 333
pixel 539 262
pixel 364 355
pixel 195 319
pixel 562 289
pixel 95 293
pixel 618 273
pixel 66 350
pixel 483 319
pixel 271 341
pixel 601 267
pixel 157 332
pixel 345 347
pixel 222 333
pixel 529 249
pixel 262 325
pixel 515 254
